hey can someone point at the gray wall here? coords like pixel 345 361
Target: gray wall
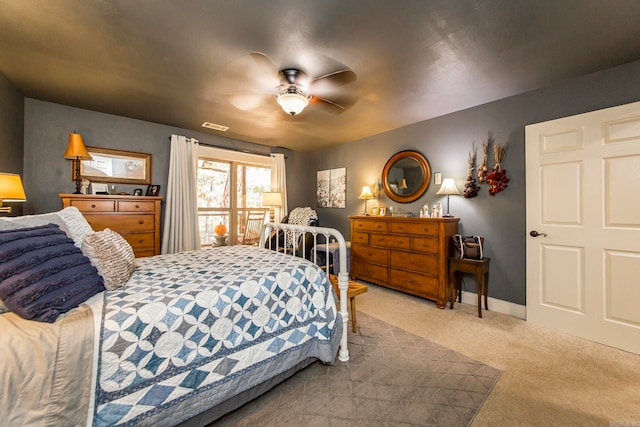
pixel 446 142
pixel 11 132
pixel 47 128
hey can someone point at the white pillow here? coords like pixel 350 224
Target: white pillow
pixel 77 225
pixel 112 255
pixel 27 221
pixel 70 220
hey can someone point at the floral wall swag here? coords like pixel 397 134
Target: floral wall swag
pixel 496 177
pixel 482 169
pixel 470 187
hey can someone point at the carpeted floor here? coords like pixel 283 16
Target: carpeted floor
pixel 393 378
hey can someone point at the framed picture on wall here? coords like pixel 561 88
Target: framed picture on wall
pixel 332 188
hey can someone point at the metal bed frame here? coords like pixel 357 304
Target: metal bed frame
pixel 291 235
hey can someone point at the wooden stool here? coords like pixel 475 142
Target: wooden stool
pixel 478 267
pixel 354 290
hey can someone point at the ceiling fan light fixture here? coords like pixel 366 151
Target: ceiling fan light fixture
pixel 292 102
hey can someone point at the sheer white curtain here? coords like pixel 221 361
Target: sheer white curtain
pixel 181 232
pixel 279 183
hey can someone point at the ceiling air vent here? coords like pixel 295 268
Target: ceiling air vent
pixel 214 126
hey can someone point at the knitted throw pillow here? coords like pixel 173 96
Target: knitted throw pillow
pixel 112 255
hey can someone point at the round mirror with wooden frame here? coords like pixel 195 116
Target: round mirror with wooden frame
pixel 406 176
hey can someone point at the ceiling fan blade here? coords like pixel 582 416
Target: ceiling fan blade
pixel 336 105
pixel 263 64
pixel 250 101
pixel 253 73
pixel 332 80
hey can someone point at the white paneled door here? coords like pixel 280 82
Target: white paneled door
pixel 583 220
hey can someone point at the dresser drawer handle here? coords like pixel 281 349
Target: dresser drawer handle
pixel 399 242
pixel 141 222
pixel 137 206
pixel 140 241
pixel 93 206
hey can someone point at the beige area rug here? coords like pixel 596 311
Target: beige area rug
pixel 393 378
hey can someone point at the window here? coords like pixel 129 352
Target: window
pixel 213 198
pixel 218 172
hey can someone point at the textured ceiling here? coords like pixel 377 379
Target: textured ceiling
pixel 173 62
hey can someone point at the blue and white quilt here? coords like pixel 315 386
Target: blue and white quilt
pixel 190 330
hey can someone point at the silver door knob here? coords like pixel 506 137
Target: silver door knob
pixel 534 233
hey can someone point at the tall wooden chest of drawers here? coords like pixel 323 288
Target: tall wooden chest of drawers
pixel 136 218
pixel 406 254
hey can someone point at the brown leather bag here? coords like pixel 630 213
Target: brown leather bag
pixel 469 247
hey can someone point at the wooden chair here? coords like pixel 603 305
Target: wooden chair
pixel 305 242
pixel 252 227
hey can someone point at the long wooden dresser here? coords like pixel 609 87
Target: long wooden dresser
pixel 136 218
pixel 406 254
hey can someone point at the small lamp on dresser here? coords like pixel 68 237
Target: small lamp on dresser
pixel 449 188
pixel 11 190
pixel 77 152
pixel 365 195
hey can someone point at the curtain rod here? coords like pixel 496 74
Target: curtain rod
pixel 239 150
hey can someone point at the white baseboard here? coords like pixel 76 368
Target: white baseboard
pixel 497 305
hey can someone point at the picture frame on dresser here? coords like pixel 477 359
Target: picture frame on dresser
pixel 382 211
pixel 99 188
pixel 153 190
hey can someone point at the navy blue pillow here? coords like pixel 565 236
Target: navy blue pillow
pixel 43 274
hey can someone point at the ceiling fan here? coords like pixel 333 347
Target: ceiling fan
pixel 291 88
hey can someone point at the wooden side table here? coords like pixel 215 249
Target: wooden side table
pixel 477 267
pixel 354 290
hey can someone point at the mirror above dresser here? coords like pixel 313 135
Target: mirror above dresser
pixel 406 176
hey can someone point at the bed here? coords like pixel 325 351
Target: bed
pixel 185 339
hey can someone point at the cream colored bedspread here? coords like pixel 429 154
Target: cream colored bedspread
pixel 46 369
